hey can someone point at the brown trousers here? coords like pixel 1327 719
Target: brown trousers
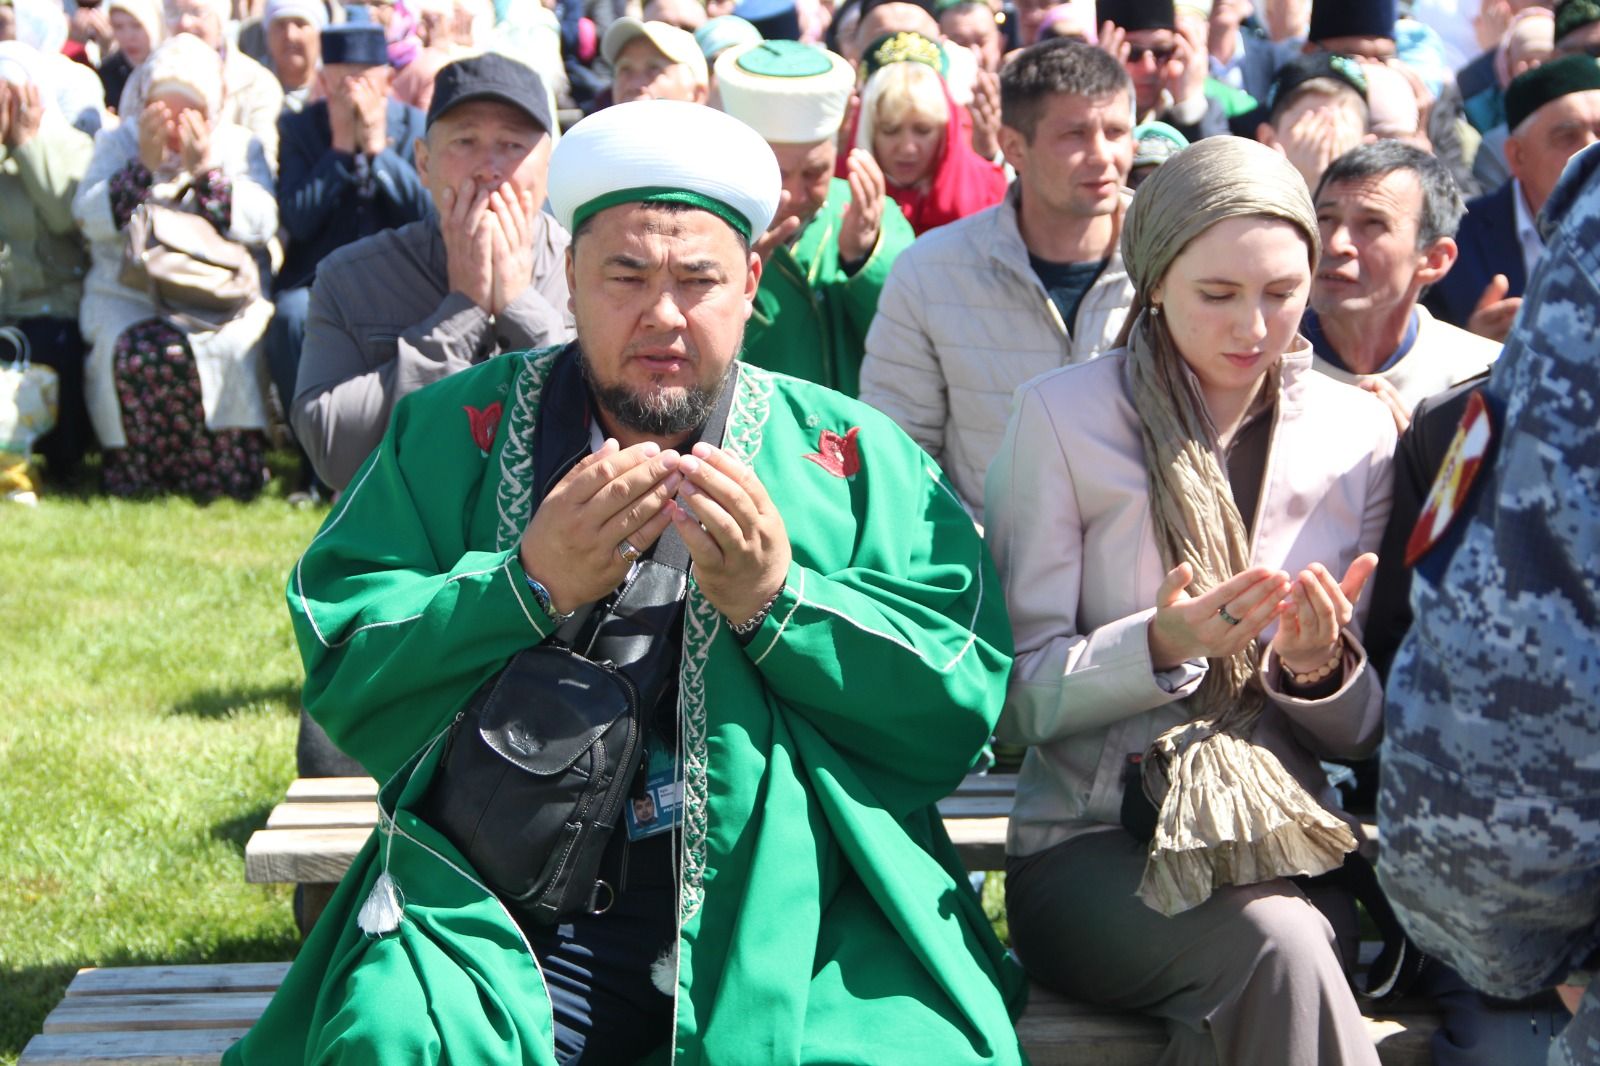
pixel 1252 977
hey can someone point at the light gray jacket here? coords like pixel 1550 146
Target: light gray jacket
pixel 383 323
pixel 1069 523
pixel 963 321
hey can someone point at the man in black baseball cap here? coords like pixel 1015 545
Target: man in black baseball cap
pixel 490 76
pixel 406 307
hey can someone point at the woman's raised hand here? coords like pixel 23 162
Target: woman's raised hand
pixel 153 123
pixel 1217 623
pixel 1319 607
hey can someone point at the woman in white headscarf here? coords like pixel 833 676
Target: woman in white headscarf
pixel 177 408
pixel 1182 528
pixel 137 27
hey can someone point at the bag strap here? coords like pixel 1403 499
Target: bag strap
pixel 19 343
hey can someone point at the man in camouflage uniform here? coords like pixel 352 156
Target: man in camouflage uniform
pixel 1490 794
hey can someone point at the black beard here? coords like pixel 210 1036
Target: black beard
pixel 662 413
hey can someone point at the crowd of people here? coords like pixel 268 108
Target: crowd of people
pixel 1184 297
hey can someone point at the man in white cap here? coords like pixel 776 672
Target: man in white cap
pixel 251 96
pixel 833 240
pixel 294 45
pixel 822 668
pixel 654 61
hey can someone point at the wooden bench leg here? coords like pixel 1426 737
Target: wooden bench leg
pixel 309 903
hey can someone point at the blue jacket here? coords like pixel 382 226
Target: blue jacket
pixel 1490 797
pixel 327 199
pixel 1488 243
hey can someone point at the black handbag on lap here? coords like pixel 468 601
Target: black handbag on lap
pixel 538 765
pixel 536 768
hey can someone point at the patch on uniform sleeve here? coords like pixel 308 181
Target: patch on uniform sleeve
pixel 1456 474
pixel 483 425
pixel 839 456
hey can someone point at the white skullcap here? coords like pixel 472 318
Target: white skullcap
pixel 187 64
pixel 677 45
pixel 790 93
pixel 311 11
pixel 665 150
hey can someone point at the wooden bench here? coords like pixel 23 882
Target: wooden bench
pixel 188 1015
pixel 312 837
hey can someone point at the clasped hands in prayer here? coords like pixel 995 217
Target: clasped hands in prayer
pixel 1311 609
pixel 628 496
pixel 488 242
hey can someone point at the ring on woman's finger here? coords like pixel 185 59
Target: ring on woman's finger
pixel 1228 618
pixel 629 553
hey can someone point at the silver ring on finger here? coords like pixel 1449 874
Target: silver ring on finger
pixel 629 553
pixel 1228 618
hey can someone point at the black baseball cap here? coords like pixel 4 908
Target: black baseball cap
pixel 491 76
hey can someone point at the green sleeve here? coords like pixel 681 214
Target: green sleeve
pixel 398 620
pixel 860 290
pixel 901 659
pixel 51 165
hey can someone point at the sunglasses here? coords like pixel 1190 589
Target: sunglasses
pixel 1137 52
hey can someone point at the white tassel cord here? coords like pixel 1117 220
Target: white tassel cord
pixel 385 905
pixel 664 971
pixel 383 909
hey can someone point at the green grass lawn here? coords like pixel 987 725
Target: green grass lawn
pixel 149 688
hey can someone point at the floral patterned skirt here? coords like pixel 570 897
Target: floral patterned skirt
pixel 169 448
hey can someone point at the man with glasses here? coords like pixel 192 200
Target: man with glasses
pixel 1168 69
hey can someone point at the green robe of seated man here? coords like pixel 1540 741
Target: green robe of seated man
pixel 824 916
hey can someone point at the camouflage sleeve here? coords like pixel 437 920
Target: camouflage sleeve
pixel 1490 795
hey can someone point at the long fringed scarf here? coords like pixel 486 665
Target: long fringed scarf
pixel 1229 811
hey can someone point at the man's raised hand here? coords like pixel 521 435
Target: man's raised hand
pixel 733 531
pixel 572 545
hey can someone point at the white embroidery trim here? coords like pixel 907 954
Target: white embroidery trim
pixel 515 464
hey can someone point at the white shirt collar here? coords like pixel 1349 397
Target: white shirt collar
pixel 1528 239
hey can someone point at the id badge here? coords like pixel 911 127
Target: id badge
pixel 661 807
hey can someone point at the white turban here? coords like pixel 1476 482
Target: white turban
pixel 665 150
pixel 790 93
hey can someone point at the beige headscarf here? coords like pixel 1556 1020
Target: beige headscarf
pixel 1229 812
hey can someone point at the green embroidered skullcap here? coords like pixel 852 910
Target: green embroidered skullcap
pixel 655 151
pixel 1575 15
pixel 788 92
pixel 1531 90
pixel 903 46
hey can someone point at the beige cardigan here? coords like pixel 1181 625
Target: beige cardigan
pixel 1068 520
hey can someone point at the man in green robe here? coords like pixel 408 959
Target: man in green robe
pixel 843 657
pixel 830 247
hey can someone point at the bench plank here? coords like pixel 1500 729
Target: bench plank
pixel 333 814
pixel 301 856
pixel 146 1023
pixel 183 1047
pixel 331 789
pixel 158 980
pixel 152 1011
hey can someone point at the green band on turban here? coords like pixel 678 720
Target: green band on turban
pixel 661 194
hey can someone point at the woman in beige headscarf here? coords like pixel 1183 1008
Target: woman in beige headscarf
pixel 1183 527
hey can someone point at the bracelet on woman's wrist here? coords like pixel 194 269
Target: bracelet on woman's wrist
pixel 1321 673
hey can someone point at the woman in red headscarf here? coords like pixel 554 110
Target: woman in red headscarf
pixel 916 133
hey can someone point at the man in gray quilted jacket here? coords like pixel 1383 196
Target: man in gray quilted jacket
pixel 975 308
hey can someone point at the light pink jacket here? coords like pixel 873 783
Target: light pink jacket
pixel 1068 519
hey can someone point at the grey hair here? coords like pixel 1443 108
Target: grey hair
pixel 1442 206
